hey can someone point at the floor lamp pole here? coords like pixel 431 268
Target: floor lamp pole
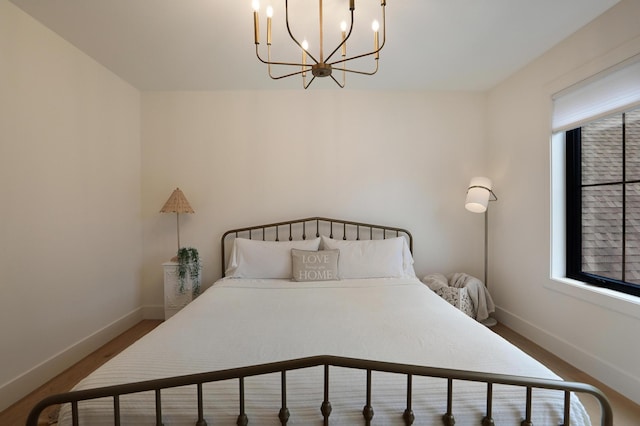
pixel 489 321
pixel 486 247
pixel 178 228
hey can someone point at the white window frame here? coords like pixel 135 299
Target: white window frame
pixel 615 300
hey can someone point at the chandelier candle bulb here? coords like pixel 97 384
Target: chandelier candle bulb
pixel 269 16
pixel 256 28
pixel 343 27
pixel 321 16
pixel 305 46
pixel 375 26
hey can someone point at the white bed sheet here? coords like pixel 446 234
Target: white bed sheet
pixel 241 322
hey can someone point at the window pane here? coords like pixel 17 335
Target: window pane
pixel 632 135
pixel 602 151
pixel 633 234
pixel 602 231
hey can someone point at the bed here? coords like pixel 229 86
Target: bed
pixel 322 321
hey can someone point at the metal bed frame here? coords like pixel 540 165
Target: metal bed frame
pixel 298 229
pixel 327 362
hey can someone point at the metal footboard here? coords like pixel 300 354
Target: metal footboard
pixel 328 362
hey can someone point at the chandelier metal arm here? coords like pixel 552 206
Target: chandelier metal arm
pixel 361 72
pixel 339 61
pixel 268 62
pixel 282 76
pixel 278 77
pixel 295 40
pixel 337 82
pixel 306 85
pixel 343 41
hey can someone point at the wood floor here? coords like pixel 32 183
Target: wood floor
pixel 626 412
pixel 18 412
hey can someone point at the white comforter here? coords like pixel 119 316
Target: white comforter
pixel 245 322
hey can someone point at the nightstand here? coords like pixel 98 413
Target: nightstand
pixel 174 300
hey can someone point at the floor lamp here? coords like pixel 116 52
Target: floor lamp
pixel 177 203
pixel 478 196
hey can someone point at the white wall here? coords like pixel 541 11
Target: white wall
pixel 70 232
pixel 596 333
pixel 245 158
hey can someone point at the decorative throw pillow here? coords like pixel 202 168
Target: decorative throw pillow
pixel 315 265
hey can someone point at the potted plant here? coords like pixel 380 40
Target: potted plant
pixel 189 267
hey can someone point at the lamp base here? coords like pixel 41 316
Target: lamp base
pixel 489 322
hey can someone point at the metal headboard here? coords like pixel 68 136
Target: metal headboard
pixel 301 229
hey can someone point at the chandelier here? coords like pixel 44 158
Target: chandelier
pixel 317 64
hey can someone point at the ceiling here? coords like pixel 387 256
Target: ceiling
pixel 208 44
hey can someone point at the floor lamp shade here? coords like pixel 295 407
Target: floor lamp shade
pixel 478 194
pixel 177 203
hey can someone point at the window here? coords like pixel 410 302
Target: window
pixel 603 202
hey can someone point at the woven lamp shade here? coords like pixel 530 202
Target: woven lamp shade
pixel 177 203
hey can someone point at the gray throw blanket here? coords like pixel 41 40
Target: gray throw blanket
pixel 482 301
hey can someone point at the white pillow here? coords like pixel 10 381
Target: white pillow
pixel 370 258
pixel 265 259
pixel 407 259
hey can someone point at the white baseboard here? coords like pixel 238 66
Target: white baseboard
pixel 27 382
pixel 621 381
pixel 153 312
